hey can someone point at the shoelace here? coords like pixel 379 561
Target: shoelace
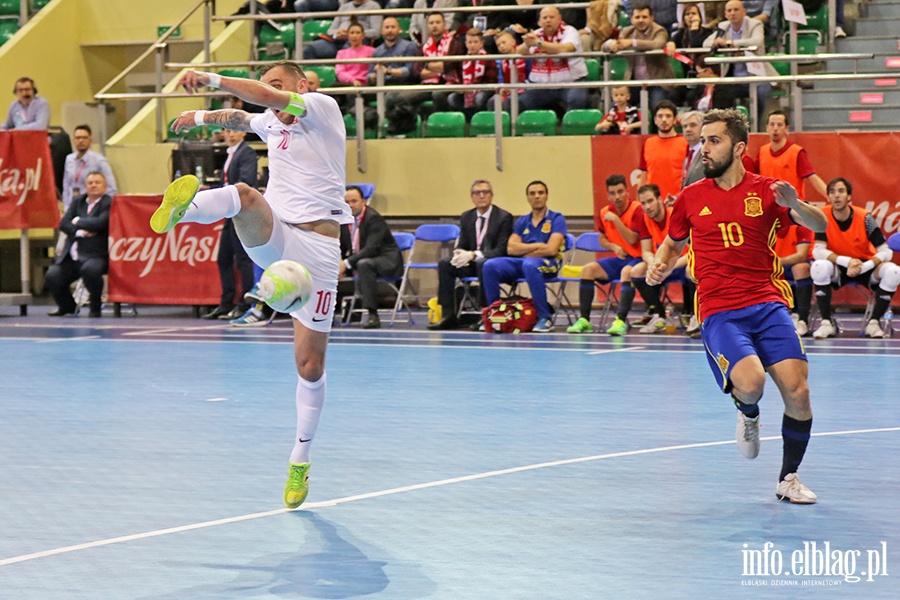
pixel 750 431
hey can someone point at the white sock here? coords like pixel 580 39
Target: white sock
pixel 310 398
pixel 209 206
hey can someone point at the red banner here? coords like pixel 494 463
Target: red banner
pixel 27 189
pixel 178 267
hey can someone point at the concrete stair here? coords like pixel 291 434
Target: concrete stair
pixel 861 105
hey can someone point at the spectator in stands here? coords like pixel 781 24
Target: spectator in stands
pixel 691 34
pixel 535 252
pixel 852 250
pixel 707 96
pixel 240 167
pixel 662 157
pixel 440 42
pixel 622 118
pixel 794 247
pixel 354 74
pixel 483 234
pixel 785 160
pixel 740 31
pixel 765 11
pixel 615 235
pixel 554 37
pixel 327 46
pixel 839 19
pixel 692 171
pixel 28 111
pixel 305 6
pixel 418 22
pixel 665 13
pixel 85 254
pixel 474 72
pixel 506 44
pixel 602 19
pixel 314 81
pixel 80 163
pixel 369 251
pixel 643 34
pixel 395 73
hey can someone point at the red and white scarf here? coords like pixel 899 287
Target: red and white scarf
pixel 441 48
pixel 505 70
pixel 473 72
pixel 546 68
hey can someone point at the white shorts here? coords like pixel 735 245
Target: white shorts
pixel 320 254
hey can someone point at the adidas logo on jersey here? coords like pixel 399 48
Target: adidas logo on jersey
pixel 705 211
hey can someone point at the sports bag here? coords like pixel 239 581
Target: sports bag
pixel 510 315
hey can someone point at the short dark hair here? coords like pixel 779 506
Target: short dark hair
pixel 537 182
pixel 356 188
pixel 838 180
pixel 287 65
pixel 616 179
pixel 86 128
pixel 355 23
pixel 24 80
pixel 480 181
pixel 787 121
pixel 665 105
pixel 636 6
pixel 735 123
pixel 649 187
pixel 95 173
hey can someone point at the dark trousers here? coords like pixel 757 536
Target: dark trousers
pixel 231 254
pixel 61 276
pixel 447 275
pixel 368 270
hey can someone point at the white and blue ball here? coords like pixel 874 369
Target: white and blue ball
pixel 286 286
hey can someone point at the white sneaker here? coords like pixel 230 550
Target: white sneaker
pixel 839 32
pixel 874 330
pixel 802 328
pixel 825 330
pixel 656 325
pixel 747 435
pixel 693 326
pixel 791 489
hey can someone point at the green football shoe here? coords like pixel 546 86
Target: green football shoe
pixel 297 487
pixel 175 203
pixel 618 327
pixel 582 325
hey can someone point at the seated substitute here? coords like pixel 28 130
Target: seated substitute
pixel 483 234
pixel 535 248
pixel 85 254
pixel 369 251
pixel 794 248
pixel 616 236
pixel 852 250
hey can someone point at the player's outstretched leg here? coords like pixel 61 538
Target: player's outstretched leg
pixel 175 203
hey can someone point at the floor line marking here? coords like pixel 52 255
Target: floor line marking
pixel 398 490
pixel 71 339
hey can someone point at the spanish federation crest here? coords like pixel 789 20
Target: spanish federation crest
pixel 753 206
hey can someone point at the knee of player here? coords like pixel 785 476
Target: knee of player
pixel 890 277
pixel 592 271
pixel 821 272
pixel 310 365
pixel 800 270
pixel 247 194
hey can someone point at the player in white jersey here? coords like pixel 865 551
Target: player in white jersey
pixel 298 219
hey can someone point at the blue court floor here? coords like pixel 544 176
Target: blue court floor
pixel 145 458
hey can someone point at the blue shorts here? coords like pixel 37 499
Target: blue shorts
pixel 764 330
pixel 613 265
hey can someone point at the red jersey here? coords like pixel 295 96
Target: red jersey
pixel 648 229
pixel 732 234
pixel 792 235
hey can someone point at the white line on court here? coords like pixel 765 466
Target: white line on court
pixel 628 349
pixel 399 490
pixel 71 339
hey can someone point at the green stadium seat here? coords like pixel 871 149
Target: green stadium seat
pixel 818 20
pixel 288 36
pixel 744 111
pixel 624 19
pixel 782 66
pixel 536 122
pixel 678 67
pixel 593 69
pixel 326 74
pixel 807 43
pixel 581 121
pixel 350 125
pixel 404 26
pixel 268 35
pixel 240 73
pixel 618 65
pixel 263 55
pixel 313 29
pixel 8 29
pixel 482 124
pixel 37 5
pixel 445 125
pixel 9 7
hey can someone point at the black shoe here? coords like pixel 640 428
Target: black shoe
pixel 234 313
pixel 373 322
pixel 444 324
pixel 95 314
pixel 61 313
pixel 477 326
pixel 219 311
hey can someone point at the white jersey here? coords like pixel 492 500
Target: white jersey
pixel 306 162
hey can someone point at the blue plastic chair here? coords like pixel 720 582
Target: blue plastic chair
pixel 433 233
pixel 405 243
pixel 590 242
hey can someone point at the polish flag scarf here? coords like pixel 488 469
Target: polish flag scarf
pixel 472 72
pixel 441 48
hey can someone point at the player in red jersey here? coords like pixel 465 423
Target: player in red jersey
pixel 731 219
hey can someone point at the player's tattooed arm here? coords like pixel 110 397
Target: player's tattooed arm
pixel 228 118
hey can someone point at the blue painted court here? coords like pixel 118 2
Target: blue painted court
pixel 145 458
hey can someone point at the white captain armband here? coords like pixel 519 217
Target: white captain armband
pixel 296 106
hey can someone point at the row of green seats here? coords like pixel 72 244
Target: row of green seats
pixel 12 7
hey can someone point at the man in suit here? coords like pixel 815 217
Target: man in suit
pixel 483 233
pixel 369 251
pixel 85 254
pixel 240 167
pixel 691 122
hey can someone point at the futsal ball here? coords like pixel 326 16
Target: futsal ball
pixel 285 286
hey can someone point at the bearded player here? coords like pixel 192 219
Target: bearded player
pixel 298 219
pixel 731 219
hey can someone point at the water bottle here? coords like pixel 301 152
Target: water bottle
pixel 198 171
pixel 177 174
pixel 888 326
pixel 671 323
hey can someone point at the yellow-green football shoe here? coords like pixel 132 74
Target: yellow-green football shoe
pixel 297 487
pixel 175 203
